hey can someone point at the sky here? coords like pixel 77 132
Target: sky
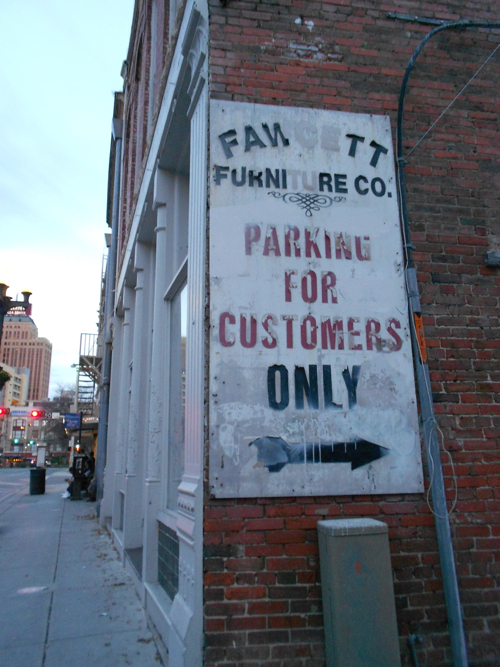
pixel 60 64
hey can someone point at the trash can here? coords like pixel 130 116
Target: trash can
pixel 358 594
pixel 37 481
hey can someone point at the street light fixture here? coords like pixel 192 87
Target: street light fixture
pixel 6 304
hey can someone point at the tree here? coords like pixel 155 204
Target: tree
pixel 4 378
pixel 64 398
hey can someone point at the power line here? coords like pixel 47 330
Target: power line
pixel 453 101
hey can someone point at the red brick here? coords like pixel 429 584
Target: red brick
pixel 287 622
pixel 420 520
pixel 268 607
pixel 361 509
pixel 244 564
pixel 301 549
pixel 215 624
pixel 244 538
pixel 398 508
pixel 245 511
pixel 246 623
pixel 284 510
pixel 246 593
pixel 219 579
pixel 224 609
pixel 285 536
pixel 264 524
pixel 264 550
pixel 223 526
pixel 285 564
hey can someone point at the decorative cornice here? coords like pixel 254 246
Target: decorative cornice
pixel 194 54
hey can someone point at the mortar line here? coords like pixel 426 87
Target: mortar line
pixel 45 646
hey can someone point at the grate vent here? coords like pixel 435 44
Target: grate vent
pixel 168 560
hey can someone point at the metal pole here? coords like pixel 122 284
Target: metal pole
pixel 441 519
pixel 80 430
pixel 1 322
pixel 445 546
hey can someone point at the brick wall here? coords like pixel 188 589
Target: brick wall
pixel 140 113
pixel 262 589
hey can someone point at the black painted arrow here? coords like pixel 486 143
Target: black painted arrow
pixel 275 453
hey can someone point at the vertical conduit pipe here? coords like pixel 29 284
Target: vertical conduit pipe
pixel 450 583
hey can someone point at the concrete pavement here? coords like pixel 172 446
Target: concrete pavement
pixel 65 598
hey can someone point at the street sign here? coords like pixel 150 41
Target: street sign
pixel 72 420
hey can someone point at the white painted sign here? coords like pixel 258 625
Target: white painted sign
pixel 311 375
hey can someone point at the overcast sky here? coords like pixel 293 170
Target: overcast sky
pixel 60 63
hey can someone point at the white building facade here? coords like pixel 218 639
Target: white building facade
pixel 153 489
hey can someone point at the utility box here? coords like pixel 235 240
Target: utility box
pixel 358 594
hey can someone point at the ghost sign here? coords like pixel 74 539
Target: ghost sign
pixel 311 375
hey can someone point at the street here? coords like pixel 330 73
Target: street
pixel 12 480
pixel 17 479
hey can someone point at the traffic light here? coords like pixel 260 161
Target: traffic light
pixel 16 441
pixel 37 414
pixel 4 411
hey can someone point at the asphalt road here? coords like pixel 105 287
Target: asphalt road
pixel 18 479
pixel 12 480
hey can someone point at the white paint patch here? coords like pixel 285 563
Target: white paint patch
pixel 32 589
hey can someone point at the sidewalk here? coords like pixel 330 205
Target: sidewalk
pixel 65 598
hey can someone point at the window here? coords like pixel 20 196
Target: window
pixel 177 392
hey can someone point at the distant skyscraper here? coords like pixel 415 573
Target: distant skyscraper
pixel 21 346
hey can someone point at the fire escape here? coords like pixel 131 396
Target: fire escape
pixel 89 374
pixel 90 359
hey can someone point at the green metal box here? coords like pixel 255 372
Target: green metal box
pixel 358 594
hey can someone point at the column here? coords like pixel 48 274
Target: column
pixel 122 411
pixel 157 409
pixel 113 416
pixel 190 500
pixel 139 394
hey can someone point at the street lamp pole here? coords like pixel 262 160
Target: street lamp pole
pixel 6 304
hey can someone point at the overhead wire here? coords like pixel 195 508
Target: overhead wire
pixel 405 231
pixel 453 101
